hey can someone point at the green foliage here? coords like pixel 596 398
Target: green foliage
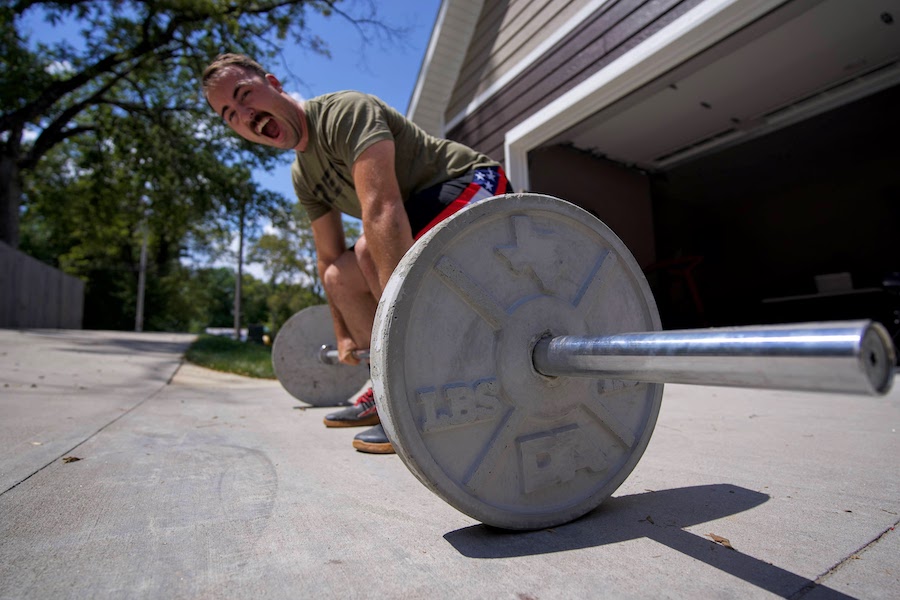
pixel 140 59
pixel 254 303
pixel 288 252
pixel 225 354
pixel 287 299
pixel 108 141
pixel 211 294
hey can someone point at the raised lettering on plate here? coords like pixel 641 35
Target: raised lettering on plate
pixel 457 404
pixel 553 457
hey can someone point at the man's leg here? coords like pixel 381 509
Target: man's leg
pixel 373 440
pixel 350 296
pixel 425 211
pixel 353 302
pixel 431 207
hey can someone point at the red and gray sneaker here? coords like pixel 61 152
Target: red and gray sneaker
pixel 362 413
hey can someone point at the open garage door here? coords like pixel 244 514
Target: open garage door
pixel 767 167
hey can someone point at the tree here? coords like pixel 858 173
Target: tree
pixel 103 133
pixel 89 200
pixel 288 252
pixel 288 255
pixel 242 213
pixel 137 61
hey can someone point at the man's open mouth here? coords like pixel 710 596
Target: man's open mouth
pixel 266 126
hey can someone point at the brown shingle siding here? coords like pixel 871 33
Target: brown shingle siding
pixel 506 33
pixel 605 36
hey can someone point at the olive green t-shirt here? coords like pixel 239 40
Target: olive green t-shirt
pixel 342 125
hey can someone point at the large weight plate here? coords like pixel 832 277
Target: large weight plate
pixel 454 379
pixel 295 358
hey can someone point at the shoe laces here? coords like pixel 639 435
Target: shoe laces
pixel 367 397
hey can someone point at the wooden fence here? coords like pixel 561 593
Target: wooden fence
pixel 35 295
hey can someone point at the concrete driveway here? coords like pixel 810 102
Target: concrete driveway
pixel 196 484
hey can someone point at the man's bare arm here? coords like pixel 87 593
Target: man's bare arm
pixel 385 222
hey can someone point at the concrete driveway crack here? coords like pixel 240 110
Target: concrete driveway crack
pixel 821 579
pixel 153 394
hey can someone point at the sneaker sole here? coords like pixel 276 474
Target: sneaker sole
pixel 371 448
pixel 370 420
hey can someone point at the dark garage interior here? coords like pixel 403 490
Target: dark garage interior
pixel 802 224
pixel 819 198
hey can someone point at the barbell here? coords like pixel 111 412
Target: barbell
pixel 300 368
pixel 518 360
pixel 785 357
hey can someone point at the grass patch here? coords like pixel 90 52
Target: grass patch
pixel 225 354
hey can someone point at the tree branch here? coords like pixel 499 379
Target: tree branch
pixel 31 158
pixel 55 132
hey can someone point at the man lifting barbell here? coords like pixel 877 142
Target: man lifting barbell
pixel 358 156
pixel 517 354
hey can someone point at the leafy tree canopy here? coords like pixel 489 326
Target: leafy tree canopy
pixel 106 140
pixel 139 60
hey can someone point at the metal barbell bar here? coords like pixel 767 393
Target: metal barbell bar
pixel 842 356
pixel 532 408
pixel 328 354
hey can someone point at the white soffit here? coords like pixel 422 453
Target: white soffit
pixel 687 36
pixel 443 60
pixel 831 53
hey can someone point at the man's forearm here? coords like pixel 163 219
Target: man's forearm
pixel 385 223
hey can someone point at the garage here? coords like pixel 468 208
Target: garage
pixel 760 180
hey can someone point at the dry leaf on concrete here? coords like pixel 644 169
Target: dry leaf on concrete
pixel 720 540
pixel 68 459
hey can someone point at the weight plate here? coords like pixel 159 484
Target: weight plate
pixel 454 379
pixel 295 358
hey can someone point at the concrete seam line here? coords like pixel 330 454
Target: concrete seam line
pixel 172 376
pixel 846 560
pixel 93 435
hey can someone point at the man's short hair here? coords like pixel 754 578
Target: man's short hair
pixel 224 61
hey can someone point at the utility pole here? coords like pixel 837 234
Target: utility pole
pixel 240 273
pixel 142 274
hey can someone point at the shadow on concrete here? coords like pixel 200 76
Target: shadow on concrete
pixel 660 516
pixel 115 345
